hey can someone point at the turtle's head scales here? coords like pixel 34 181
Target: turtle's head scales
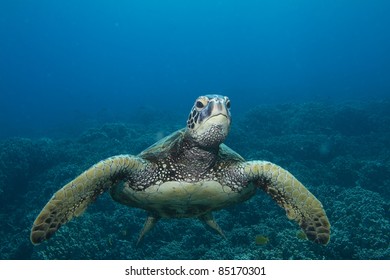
pixel 209 121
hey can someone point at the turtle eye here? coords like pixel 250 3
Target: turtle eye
pixel 201 103
pixel 227 103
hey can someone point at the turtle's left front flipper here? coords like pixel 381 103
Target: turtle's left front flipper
pixel 71 200
pixel 300 204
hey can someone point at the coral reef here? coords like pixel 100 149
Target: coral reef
pixel 341 152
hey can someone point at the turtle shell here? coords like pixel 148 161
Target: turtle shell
pixel 163 147
pixel 171 145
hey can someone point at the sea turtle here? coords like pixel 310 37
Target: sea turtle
pixel 189 173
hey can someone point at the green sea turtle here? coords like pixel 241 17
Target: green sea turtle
pixel 189 173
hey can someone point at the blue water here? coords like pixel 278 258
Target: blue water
pixel 61 61
pixel 309 84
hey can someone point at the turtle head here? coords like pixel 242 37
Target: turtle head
pixel 209 120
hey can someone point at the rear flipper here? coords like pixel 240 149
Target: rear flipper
pixel 209 220
pixel 149 224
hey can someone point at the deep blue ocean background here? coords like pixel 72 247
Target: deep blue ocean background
pixel 309 83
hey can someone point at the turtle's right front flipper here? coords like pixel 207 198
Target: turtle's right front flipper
pixel 71 200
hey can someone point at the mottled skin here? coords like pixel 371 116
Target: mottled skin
pixel 190 173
